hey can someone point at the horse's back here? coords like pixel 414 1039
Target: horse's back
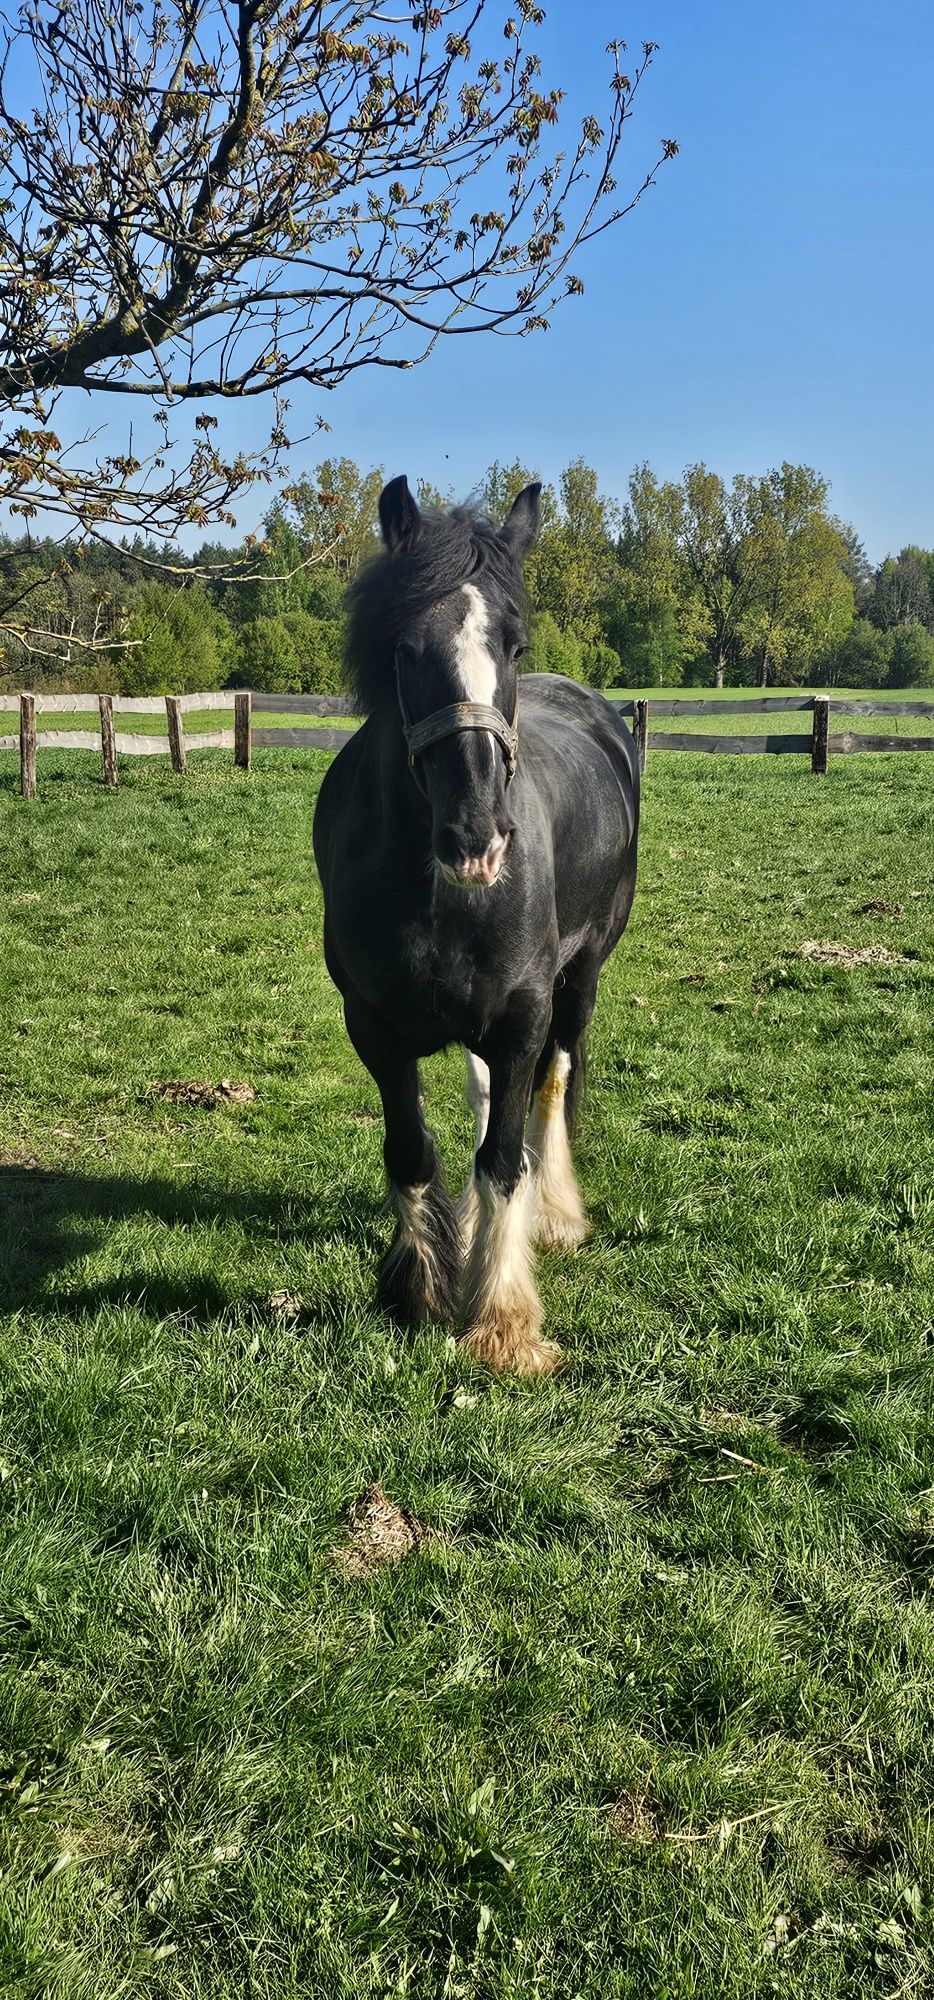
pixel 564 723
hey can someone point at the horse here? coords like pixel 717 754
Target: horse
pixel 477 849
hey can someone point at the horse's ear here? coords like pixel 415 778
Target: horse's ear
pixel 521 524
pixel 398 514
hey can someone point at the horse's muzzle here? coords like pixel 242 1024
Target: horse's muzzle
pixel 476 871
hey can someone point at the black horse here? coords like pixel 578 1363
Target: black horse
pixel 477 851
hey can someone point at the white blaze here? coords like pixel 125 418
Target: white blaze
pixel 476 666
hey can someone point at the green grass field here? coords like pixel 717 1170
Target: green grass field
pixel 649 1713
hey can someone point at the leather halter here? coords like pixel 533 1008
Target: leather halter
pixel 459 715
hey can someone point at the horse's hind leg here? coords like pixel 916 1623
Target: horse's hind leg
pixel 419 1277
pixel 560 1221
pixel 478 1101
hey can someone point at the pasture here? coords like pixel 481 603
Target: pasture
pixel 647 1711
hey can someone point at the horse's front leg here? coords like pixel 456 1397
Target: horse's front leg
pixel 502 1312
pixel 419 1277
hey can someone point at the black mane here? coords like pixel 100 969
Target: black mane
pixel 447 551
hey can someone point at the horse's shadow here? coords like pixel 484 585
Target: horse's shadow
pixel 50 1220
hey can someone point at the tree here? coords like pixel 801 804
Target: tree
pixel 658 620
pixel 267 657
pixel 799 599
pixel 571 569
pixel 912 662
pixel 177 641
pixel 600 664
pixel 333 515
pixel 552 651
pixel 502 484
pixel 901 593
pixel 203 201
pixel 863 657
pixel 712 522
pixel 856 562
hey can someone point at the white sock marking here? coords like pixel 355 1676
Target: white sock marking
pixel 478 1095
pixel 560 1220
pixel 478 1099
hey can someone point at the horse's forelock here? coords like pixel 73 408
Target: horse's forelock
pixel 391 590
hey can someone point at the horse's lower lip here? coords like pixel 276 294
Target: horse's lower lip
pixel 480 877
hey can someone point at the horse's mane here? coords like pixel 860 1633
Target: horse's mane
pixel 391 590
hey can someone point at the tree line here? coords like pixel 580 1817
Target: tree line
pixel 698 582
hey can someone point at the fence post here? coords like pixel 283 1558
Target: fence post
pixel 820 731
pixel 243 728
pixel 173 709
pixel 108 739
pixel 27 745
pixel 640 730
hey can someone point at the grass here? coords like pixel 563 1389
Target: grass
pixel 649 1714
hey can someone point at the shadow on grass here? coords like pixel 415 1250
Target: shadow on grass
pixel 818 1425
pixel 49 1220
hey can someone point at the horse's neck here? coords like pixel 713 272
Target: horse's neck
pixel 404 807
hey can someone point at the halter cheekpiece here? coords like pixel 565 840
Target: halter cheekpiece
pixel 450 721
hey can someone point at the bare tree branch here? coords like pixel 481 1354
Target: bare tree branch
pixel 211 200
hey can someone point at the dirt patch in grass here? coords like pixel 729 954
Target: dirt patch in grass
pixel 637 1820
pixel 379 1534
pixel 717 1418
pixel 823 952
pixel 286 1305
pixel 17 1156
pixel 876 907
pixel 861 1852
pixel 205 1096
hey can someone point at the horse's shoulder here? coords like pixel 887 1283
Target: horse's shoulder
pixel 337 788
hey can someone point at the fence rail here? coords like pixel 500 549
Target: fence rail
pixel 243 737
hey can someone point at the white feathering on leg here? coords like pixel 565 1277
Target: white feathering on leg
pixel 502 1309
pixel 414 1233
pixel 559 1222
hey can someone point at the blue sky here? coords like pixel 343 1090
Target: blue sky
pixel 772 298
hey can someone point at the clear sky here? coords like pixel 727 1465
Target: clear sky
pixel 772 298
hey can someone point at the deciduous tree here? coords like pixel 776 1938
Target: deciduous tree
pixel 792 565
pixel 201 201
pixel 712 524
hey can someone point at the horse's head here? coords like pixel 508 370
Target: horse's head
pixel 457 652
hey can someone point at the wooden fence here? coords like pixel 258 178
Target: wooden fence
pixel 244 736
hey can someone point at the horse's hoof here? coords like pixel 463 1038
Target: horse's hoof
pixel 510 1349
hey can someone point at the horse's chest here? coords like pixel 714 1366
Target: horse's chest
pixel 449 972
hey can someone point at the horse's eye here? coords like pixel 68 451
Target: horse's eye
pixel 406 654
pixel 516 652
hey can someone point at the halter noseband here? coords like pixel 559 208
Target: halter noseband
pixel 451 720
